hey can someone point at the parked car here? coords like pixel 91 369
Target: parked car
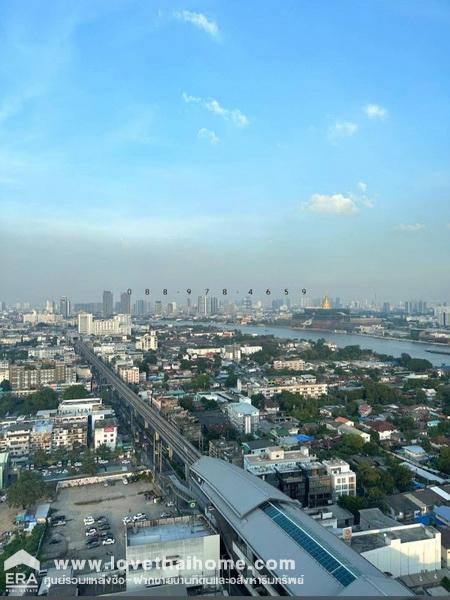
pixel 92 544
pixel 124 481
pixel 91 532
pixel 170 503
pixel 127 519
pixel 108 541
pixel 164 515
pixel 89 520
pixel 139 517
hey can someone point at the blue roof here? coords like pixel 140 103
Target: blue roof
pixel 302 437
pixel 415 449
pixel 442 511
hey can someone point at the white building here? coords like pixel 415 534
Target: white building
pixel 129 374
pixel 348 430
pixel 275 458
pixel 79 406
pixel 117 325
pixel 186 547
pixel 310 390
pixel 148 341
pixel 343 479
pixel 243 416
pixel 105 433
pixel 402 550
pixel 293 364
pixel 35 317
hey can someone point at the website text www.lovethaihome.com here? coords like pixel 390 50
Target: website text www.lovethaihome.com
pixel 190 571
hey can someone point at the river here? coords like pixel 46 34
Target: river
pixel 392 347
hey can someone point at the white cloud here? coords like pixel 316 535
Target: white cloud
pixel 363 197
pixel 362 186
pixel 410 227
pixel 234 115
pixel 207 134
pixel 343 129
pixel 375 111
pixel 333 204
pixel 200 21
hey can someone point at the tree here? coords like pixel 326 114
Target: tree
pixel 89 464
pixel 75 391
pixel 27 490
pixel 352 443
pixel 443 461
pixel 43 399
pixel 5 386
pixel 353 503
pixel 104 452
pixel 419 365
pixel 41 458
pixel 199 382
pixel 402 477
pixel 231 380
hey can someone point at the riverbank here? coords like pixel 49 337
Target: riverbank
pixel 381 345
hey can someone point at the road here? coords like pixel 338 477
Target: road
pixel 185 451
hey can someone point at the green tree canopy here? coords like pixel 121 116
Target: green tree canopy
pixel 27 490
pixel 75 391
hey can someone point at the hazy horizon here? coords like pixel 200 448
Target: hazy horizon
pixel 225 144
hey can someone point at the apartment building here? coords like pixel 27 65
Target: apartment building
pixel 343 479
pixel 105 433
pixel 128 374
pixel 148 341
pixel 243 416
pixel 310 390
pixel 33 376
pixel 117 325
pixel 69 435
pixel 291 364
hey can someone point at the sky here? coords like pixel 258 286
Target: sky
pixel 302 143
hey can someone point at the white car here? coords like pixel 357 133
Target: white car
pixel 127 519
pixel 124 481
pixel 170 503
pixel 91 532
pixel 140 517
pixel 108 541
pixel 88 520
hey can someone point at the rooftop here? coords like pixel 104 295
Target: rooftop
pixel 365 541
pixel 273 524
pixel 167 530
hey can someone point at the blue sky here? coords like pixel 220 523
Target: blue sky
pixel 225 143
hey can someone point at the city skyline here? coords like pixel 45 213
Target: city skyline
pixel 216 144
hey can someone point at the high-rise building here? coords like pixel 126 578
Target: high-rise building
pixel 247 305
pixel 139 308
pixel 202 306
pixel 64 307
pixel 108 304
pixel 50 306
pixel 158 308
pixel 125 303
pixel 214 306
pixel 171 308
pixel 443 315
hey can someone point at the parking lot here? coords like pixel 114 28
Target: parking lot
pixel 113 502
